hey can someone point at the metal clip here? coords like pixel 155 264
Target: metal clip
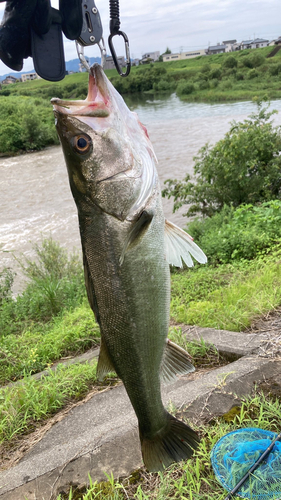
pixel 80 52
pixel 114 56
pixel 102 48
pixel 81 55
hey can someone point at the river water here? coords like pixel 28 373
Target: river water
pixel 36 201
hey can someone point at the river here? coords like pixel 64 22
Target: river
pixel 36 201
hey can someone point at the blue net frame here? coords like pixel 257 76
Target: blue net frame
pixel 235 453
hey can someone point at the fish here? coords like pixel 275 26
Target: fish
pixel 127 247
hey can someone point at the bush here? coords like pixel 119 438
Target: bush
pixel 214 83
pixel 206 68
pixel 241 233
pixel 230 62
pixel 163 86
pixel 225 85
pixel 252 74
pixel 275 69
pixel 254 60
pixel 239 76
pixel 203 85
pixel 184 88
pixel 26 124
pixel 215 73
pixel 243 167
pixel 247 61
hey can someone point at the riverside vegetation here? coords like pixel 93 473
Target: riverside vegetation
pixel 27 123
pixel 51 319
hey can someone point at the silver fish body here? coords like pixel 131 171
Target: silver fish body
pixel 115 186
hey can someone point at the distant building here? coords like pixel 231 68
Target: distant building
pixel 229 45
pixel 10 79
pixel 246 44
pixel 258 43
pixel 150 56
pixel 236 46
pixel 216 49
pixel 184 55
pixel 135 62
pixel 277 41
pixel 109 63
pixel 29 76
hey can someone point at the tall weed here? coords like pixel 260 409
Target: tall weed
pixel 55 283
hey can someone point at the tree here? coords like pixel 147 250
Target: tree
pixel 243 167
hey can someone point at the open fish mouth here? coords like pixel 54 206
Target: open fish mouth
pixel 97 102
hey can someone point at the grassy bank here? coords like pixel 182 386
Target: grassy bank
pixel 231 76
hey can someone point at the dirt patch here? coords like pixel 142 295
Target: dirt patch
pixel 272 387
pixel 269 326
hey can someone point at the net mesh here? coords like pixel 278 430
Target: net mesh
pixel 236 452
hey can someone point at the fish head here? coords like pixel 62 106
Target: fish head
pixel 107 150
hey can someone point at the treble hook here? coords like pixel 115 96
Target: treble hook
pixel 114 56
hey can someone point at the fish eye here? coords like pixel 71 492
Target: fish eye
pixel 82 143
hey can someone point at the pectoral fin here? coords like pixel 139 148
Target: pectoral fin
pixel 179 246
pixel 176 361
pixel 105 365
pixel 136 232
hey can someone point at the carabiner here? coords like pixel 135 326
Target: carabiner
pixel 114 56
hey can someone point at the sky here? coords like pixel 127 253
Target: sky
pixel 180 25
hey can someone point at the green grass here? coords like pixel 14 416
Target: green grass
pixel 22 406
pixel 193 479
pixel 37 347
pixel 229 297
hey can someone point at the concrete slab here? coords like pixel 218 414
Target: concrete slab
pixel 101 435
pixel 232 345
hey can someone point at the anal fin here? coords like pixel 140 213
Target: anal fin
pixel 105 365
pixel 176 361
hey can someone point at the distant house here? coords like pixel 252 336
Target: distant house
pixel 150 56
pixel 246 44
pixel 29 76
pixel 184 55
pixel 259 43
pixel 109 63
pixel 277 41
pixel 229 45
pixel 216 49
pixel 236 46
pixel 10 79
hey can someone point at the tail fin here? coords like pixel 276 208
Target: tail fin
pixel 173 443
